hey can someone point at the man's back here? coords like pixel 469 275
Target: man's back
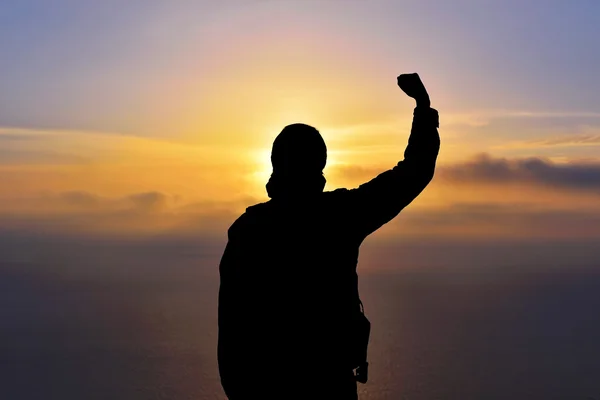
pixel 296 266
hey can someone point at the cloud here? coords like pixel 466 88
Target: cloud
pixel 584 139
pixel 143 213
pixel 553 114
pixel 485 118
pixel 79 199
pixel 572 140
pixel 34 157
pixel 149 201
pixel 16 137
pixel 489 213
pixel 536 171
pixel 487 221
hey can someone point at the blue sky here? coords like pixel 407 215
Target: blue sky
pixel 81 64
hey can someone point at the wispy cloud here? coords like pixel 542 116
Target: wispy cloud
pixel 497 171
pixel 574 140
pixel 485 221
pixel 481 118
pixel 39 157
pixel 551 114
pixel 143 213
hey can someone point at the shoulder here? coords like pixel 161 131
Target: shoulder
pixel 338 199
pixel 336 194
pixel 249 217
pixel 258 208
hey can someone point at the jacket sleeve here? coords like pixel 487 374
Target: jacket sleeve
pixel 378 201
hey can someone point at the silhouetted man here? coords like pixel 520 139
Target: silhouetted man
pixel 290 322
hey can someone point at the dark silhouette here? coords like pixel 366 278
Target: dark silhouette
pixel 291 323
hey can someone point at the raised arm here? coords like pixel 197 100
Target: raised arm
pixel 378 201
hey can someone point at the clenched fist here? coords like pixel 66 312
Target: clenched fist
pixel 411 85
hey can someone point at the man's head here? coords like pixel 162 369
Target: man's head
pixel 299 150
pixel 298 157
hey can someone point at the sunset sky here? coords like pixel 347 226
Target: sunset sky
pixel 130 117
